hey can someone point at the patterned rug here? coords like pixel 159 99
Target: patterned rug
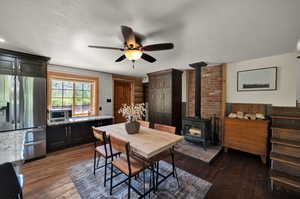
pixel 197 151
pixel 91 187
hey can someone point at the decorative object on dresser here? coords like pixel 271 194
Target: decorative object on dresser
pixel 262 79
pixel 285 153
pixel 247 135
pixel 165 97
pixel 133 113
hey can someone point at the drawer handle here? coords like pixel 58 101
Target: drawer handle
pixel 34 143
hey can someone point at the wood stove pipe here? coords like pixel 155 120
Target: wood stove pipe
pixel 197 66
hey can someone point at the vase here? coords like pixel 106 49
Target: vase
pixel 132 127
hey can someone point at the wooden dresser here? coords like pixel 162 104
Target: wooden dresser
pixel 246 135
pixel 285 153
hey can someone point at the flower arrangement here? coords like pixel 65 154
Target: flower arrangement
pixel 133 112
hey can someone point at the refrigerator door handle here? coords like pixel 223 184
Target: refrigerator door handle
pixel 18 102
pixel 7 114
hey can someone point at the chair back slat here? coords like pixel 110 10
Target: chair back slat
pixel 144 123
pixel 99 135
pixel 119 145
pixel 166 128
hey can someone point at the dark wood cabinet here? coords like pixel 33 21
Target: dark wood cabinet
pixel 78 133
pixel 165 97
pixel 32 68
pixel 57 137
pixel 17 63
pixel 73 134
pixel 7 65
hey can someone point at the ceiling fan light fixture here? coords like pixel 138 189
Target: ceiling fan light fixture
pixel 133 54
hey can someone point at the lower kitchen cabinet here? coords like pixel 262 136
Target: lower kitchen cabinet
pixel 79 133
pixel 57 137
pixel 67 135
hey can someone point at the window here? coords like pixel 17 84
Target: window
pixel 73 92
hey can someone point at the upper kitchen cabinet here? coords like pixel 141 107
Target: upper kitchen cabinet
pixel 23 64
pixel 33 68
pixel 7 65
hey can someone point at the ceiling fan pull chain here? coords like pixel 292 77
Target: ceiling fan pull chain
pixel 133 64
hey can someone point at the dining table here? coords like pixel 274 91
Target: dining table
pixel 146 143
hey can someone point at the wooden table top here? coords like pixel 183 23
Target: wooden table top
pixel 148 142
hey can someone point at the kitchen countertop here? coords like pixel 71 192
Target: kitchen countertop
pixel 79 119
pixel 11 146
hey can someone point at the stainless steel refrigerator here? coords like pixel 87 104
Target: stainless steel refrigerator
pixel 23 108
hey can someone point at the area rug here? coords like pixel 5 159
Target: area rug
pixel 91 187
pixel 197 151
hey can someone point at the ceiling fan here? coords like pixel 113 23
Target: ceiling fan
pixel 133 48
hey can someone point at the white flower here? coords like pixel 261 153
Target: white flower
pixel 133 112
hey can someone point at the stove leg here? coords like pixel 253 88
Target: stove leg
pixel 225 149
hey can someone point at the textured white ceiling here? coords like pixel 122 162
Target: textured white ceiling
pixel 210 30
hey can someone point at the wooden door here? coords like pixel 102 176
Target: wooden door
pixel 122 95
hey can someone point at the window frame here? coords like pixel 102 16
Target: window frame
pixel 76 78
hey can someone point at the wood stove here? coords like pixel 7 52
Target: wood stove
pixel 203 125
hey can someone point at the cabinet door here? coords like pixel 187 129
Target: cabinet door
pixel 56 137
pixel 32 68
pixel 7 65
pixel 89 134
pixel 79 133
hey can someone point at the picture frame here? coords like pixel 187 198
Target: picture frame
pixel 261 79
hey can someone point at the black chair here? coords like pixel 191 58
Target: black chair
pixel 165 154
pixel 10 187
pixel 130 165
pixel 102 151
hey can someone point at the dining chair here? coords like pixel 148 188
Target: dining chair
pixel 144 123
pixel 166 153
pixel 102 150
pixel 9 184
pixel 129 165
pixel 165 128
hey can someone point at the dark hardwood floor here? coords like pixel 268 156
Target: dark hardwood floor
pixel 234 175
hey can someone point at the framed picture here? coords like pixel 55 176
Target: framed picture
pixel 262 79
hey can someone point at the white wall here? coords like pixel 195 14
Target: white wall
pixel 298 80
pixel 105 84
pixel 286 93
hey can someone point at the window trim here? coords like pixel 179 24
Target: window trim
pixel 79 78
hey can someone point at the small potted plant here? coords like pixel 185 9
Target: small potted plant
pixel 132 113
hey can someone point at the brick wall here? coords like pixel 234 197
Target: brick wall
pixel 212 91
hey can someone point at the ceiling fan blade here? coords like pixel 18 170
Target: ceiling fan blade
pixel 162 46
pixel 105 47
pixel 148 58
pixel 139 38
pixel 120 58
pixel 128 35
